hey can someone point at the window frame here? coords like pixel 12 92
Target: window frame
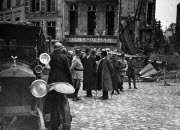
pixel 110 8
pixel 73 8
pixel 51 26
pixel 91 9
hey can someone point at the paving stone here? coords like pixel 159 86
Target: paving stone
pixel 151 107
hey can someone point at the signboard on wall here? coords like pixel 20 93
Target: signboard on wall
pixel 91 39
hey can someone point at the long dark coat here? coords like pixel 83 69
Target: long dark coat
pixel 116 68
pixel 89 74
pixel 60 71
pixel 104 77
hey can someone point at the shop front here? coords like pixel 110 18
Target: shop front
pixel 91 41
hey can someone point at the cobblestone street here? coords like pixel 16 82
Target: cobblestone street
pixel 151 107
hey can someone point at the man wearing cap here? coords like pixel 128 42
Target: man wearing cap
pixel 70 55
pixel 104 76
pixel 89 74
pixel 77 73
pixel 59 72
pixel 131 72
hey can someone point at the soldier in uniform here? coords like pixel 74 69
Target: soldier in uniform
pixel 77 73
pixel 131 73
pixel 122 71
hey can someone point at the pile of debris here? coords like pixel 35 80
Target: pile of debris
pixel 162 68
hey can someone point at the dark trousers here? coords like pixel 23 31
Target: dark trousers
pixel 76 84
pixel 129 80
pixel 89 92
pixel 105 94
pixel 120 84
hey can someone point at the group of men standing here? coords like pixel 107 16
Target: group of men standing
pixel 101 72
pixel 97 71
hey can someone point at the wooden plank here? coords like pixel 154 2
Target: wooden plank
pixel 165 58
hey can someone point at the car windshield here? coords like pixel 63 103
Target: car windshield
pixel 18 40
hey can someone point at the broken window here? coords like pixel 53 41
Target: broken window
pixel 91 22
pixel 50 5
pixel 149 13
pixel 110 14
pixel 73 19
pixel 51 29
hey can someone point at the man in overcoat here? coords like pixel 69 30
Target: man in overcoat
pixel 104 76
pixel 59 72
pixel 89 73
pixel 116 66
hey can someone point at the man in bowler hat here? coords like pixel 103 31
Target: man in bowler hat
pixel 89 73
pixel 104 76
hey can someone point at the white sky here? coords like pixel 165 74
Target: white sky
pixel 166 11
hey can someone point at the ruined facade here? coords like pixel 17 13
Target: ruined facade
pixel 137 24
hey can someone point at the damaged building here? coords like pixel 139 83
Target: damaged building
pixel 126 24
pixel 137 24
pixel 91 22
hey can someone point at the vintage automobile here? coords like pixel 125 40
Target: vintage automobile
pixel 23 102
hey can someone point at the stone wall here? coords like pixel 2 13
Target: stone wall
pixel 82 19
